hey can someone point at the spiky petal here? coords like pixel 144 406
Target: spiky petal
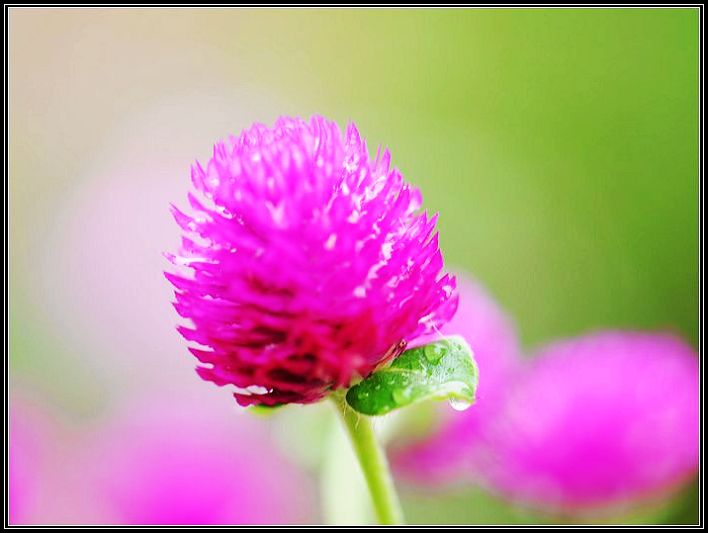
pixel 305 263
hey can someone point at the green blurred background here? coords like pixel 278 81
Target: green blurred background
pixel 559 145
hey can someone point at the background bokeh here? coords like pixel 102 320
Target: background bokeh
pixel 560 146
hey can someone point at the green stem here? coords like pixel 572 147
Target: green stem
pixel 373 462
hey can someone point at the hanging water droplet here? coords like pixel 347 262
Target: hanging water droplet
pixel 433 352
pixel 460 405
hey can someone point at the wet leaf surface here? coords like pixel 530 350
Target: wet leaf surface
pixel 442 370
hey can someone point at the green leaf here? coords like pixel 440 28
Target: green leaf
pixel 265 410
pixel 442 370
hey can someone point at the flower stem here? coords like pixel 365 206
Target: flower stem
pixel 372 460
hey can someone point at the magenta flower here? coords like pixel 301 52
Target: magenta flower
pixel 307 264
pixel 603 419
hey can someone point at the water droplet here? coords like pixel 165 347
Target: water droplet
pixel 460 405
pixel 433 353
pixel 401 396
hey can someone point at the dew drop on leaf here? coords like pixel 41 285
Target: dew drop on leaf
pixel 434 352
pixel 401 396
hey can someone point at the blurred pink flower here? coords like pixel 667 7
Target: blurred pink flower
pixel 159 460
pixel 24 456
pixel 607 418
pixel 306 263
pixel 167 466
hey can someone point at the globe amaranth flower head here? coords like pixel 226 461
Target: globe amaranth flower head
pixel 306 263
